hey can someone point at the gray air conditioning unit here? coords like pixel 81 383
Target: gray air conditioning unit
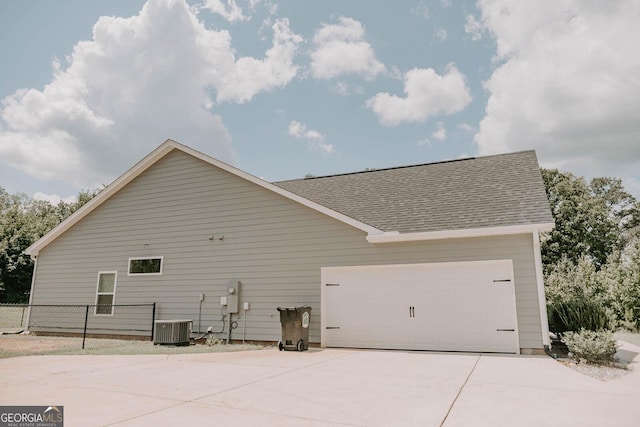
pixel 175 332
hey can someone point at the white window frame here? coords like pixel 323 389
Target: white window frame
pixel 98 293
pixel 137 258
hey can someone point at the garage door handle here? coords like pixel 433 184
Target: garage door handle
pixel 505 330
pixel 332 327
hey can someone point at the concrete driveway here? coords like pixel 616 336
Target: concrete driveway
pixel 320 387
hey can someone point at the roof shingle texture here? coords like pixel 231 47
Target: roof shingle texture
pixel 492 191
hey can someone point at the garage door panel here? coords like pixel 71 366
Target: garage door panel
pixel 467 306
pixel 357 319
pixel 366 338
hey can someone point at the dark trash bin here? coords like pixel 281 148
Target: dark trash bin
pixel 295 328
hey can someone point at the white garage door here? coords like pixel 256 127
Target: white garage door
pixel 458 306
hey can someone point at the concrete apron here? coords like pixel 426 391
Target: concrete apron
pixel 320 387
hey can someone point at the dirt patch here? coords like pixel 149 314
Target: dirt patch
pixel 23 345
pixel 20 344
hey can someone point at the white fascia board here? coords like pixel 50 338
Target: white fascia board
pixel 396 237
pixel 151 159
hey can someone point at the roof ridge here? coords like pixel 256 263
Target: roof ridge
pixel 311 177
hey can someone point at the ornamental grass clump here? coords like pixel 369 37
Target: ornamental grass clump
pixel 595 347
pixel 577 314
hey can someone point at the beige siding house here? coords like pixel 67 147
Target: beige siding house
pixel 442 256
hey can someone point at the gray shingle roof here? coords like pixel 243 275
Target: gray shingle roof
pixel 491 191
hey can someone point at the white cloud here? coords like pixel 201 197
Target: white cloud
pixel 427 94
pixel 299 130
pixel 474 27
pixel 421 11
pixel 466 127
pixel 440 34
pixel 314 138
pixel 441 133
pixel 340 49
pixel 139 81
pixel 340 88
pixel 54 199
pixel 229 10
pixel 249 76
pixel 343 89
pixel 568 85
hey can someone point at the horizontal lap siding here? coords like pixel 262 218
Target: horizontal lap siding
pixel 274 246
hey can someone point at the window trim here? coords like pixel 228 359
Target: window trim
pixel 113 294
pixel 136 258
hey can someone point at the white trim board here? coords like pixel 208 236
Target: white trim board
pixel 395 237
pixel 542 299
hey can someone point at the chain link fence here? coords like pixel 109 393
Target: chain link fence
pixel 54 329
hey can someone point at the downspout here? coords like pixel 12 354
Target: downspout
pixel 542 300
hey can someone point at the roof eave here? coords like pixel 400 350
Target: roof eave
pixel 396 237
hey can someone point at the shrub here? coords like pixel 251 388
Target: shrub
pixel 211 341
pixel 591 346
pixel 577 314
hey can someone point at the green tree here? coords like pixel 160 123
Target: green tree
pixel 13 227
pixel 22 222
pixel 621 276
pixel 569 280
pixel 592 220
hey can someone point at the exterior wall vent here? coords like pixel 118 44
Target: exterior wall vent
pixel 176 332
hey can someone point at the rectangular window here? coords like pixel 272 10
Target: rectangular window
pixel 106 293
pixel 148 265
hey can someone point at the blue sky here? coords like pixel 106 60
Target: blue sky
pixel 282 89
